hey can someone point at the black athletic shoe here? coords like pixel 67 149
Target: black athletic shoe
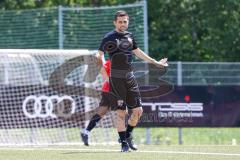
pixel 125 147
pixel 131 143
pixel 85 139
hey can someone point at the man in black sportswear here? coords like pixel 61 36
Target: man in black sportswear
pixel 121 47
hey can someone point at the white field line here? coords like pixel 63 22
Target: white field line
pixel 112 150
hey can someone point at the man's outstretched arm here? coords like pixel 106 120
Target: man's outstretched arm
pixel 140 54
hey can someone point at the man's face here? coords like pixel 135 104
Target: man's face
pixel 121 24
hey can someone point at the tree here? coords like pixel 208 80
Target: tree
pixel 201 30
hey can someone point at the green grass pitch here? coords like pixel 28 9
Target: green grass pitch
pixel 146 152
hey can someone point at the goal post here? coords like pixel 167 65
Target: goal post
pixel 33 86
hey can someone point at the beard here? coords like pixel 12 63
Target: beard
pixel 122 29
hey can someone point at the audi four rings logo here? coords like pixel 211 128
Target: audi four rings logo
pixel 43 106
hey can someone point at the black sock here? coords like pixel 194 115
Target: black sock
pixel 93 122
pixel 122 136
pixel 129 131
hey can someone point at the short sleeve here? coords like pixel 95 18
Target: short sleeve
pixel 101 48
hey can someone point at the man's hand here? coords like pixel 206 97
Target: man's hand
pixel 162 63
pixel 98 60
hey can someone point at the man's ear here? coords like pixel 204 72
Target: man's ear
pixel 114 22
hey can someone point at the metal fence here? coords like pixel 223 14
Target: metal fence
pixel 203 73
pixel 68 27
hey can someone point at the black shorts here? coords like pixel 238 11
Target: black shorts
pixel 108 100
pixel 127 92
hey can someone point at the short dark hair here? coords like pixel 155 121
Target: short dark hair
pixel 120 13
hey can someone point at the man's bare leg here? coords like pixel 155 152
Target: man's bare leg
pixel 102 110
pixel 121 128
pixel 132 122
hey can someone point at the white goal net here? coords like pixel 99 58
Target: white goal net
pixel 47 96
